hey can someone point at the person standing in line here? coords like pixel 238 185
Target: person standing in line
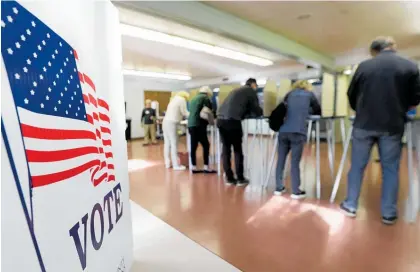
pixel 175 113
pixel 381 92
pixel 148 121
pixel 240 103
pixel 300 103
pixel 197 127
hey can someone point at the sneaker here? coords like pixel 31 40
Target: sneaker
pixel 242 182
pixel 180 168
pixel 347 211
pixel 145 144
pixel 298 195
pixel 196 171
pixel 279 192
pixel 209 171
pixel 167 166
pixel 230 181
pixel 389 220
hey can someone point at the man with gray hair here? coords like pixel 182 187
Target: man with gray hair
pixel 382 91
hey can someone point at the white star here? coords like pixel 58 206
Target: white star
pixel 25 69
pixel 48 35
pixel 74 69
pixel 49 63
pixel 33 24
pixel 72 98
pixel 17 76
pixel 55 108
pixel 69 105
pixel 39 47
pixel 59 101
pixel 56 51
pixel 53 56
pixel 65 64
pixel 42 105
pixel 47 97
pixel 35 84
pixel 41 77
pixel 28 32
pixel 74 93
pixel 17 45
pixel 28 61
pixel 32 92
pixel 22 37
pixel 61 94
pixel 45 69
pixel 15 10
pixel 57 76
pixel 9 18
pixel 77 85
pixel 81 102
pixel 68 81
pixel 43 42
pixel 3 24
pixel 54 83
pixel 67 59
pixel 71 52
pixel 26 100
pixel 76 113
pixel 84 116
pixel 67 112
pixel 10 51
pixel 60 44
pixel 78 108
pixel 65 88
pixel 61 70
pixel 35 55
pixel 49 89
pixel 71 77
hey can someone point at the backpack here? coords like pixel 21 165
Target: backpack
pixel 277 116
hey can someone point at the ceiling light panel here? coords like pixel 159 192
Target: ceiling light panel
pixel 156 75
pixel 156 36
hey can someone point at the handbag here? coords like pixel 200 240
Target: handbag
pixel 207 115
pixel 277 116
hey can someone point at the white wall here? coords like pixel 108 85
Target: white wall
pixel 134 97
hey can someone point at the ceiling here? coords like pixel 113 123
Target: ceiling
pixel 333 28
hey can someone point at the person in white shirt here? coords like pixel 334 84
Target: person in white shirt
pixel 175 113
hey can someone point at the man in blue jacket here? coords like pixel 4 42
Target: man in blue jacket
pixel 381 92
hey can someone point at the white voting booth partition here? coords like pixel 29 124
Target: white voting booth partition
pixel 65 190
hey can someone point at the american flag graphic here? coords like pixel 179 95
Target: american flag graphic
pixel 65 125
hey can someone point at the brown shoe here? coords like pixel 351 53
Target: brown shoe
pixel 145 144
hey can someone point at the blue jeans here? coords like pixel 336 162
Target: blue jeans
pixel 286 142
pixel 390 147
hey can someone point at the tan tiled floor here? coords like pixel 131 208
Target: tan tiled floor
pixel 256 231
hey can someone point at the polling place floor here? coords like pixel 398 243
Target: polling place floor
pixel 256 231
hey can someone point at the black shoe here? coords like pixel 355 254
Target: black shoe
pixel 298 195
pixel 231 181
pixel 280 191
pixel 242 182
pixel 209 171
pixel 347 211
pixel 197 171
pixel 389 220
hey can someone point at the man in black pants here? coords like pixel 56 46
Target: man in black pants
pixel 197 127
pixel 239 104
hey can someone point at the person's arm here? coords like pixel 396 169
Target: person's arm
pixel 254 105
pixel 142 116
pixel 353 91
pixel 415 89
pixel 315 106
pixel 184 111
pixel 208 103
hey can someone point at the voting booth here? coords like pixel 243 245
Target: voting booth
pixel 65 189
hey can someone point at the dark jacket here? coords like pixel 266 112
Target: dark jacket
pixel 148 116
pixel 240 103
pixel 382 91
pixel 195 106
pixel 300 104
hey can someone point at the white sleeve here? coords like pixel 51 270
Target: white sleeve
pixel 184 110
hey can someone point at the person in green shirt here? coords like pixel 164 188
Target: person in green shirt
pixel 197 128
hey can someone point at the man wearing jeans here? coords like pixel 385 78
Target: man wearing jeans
pixel 381 92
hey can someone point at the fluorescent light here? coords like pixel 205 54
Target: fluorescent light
pixel 347 72
pixel 155 75
pixel 216 90
pixel 155 36
pixel 312 80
